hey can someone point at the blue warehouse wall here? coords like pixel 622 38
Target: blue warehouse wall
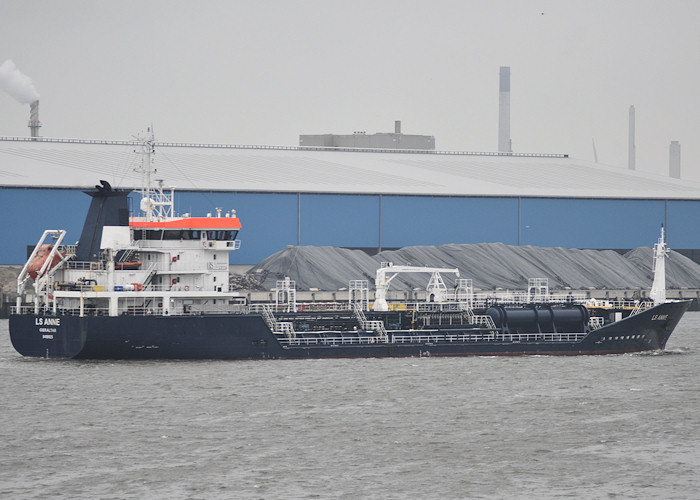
pixel 575 223
pixel 271 221
pixel 26 213
pixel 684 224
pixel 339 220
pixel 423 220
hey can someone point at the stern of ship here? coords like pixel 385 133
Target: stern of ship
pixel 47 336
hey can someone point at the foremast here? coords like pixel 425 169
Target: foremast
pixel 658 287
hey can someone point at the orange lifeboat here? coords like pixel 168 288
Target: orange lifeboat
pixel 133 264
pixel 40 258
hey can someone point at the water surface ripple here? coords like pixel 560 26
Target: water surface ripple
pixel 622 426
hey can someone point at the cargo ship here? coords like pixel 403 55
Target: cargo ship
pixel 156 286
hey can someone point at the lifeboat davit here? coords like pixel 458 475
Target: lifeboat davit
pixel 40 258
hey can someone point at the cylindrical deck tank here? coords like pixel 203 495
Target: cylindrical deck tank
pixel 540 319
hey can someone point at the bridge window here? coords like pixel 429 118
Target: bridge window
pixel 183 234
pixel 222 235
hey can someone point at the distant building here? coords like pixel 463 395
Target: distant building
pixel 383 140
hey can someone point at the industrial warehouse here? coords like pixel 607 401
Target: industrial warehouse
pixel 355 198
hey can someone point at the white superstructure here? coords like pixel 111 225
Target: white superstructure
pixel 159 264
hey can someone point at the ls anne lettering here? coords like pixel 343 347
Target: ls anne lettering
pixel 47 321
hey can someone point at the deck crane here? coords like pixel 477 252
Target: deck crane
pixel 436 286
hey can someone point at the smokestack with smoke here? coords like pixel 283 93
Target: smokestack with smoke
pixel 17 84
pixel 20 86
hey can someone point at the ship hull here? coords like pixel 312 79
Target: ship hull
pixel 248 337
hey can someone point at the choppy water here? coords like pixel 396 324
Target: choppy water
pixel 624 426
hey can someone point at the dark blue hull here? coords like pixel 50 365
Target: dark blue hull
pixel 248 337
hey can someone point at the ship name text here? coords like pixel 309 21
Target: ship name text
pixel 47 321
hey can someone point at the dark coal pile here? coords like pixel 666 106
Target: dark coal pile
pixel 489 265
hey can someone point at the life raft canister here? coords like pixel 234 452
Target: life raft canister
pixel 38 261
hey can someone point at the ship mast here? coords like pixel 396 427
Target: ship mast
pixel 155 204
pixel 658 287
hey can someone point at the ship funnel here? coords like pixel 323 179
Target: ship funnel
pixel 109 207
pixel 34 123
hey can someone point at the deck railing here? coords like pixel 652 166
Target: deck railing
pixel 596 322
pixel 483 336
pixel 181 310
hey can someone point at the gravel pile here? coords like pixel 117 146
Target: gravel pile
pixel 489 265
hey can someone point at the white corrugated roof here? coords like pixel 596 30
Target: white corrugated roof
pixel 73 163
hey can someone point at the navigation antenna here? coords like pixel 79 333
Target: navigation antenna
pixel 155 203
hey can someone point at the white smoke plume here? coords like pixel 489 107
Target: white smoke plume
pixel 17 84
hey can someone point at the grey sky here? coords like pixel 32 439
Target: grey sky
pixel 263 72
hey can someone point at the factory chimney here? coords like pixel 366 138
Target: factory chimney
pixel 631 158
pixel 34 123
pixel 674 160
pixel 20 86
pixel 397 126
pixel 504 143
